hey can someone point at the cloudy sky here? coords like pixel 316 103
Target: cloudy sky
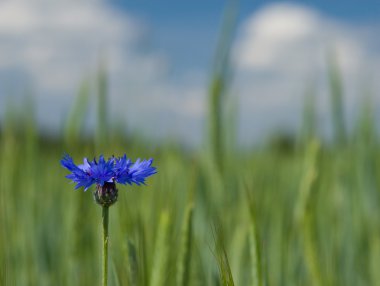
pixel 159 57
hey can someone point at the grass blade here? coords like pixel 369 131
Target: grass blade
pixel 225 272
pixel 336 90
pixel 183 268
pixel 161 252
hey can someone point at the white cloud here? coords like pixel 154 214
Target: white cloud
pixel 269 34
pixel 283 49
pixel 54 45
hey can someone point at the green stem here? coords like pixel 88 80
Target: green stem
pixel 105 245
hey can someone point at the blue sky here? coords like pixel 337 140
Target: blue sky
pixel 158 58
pixel 178 24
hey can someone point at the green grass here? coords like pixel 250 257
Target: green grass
pixel 307 216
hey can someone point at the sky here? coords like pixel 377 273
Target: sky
pixel 159 57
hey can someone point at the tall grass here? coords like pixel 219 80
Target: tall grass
pixel 220 79
pixel 315 218
pixel 336 91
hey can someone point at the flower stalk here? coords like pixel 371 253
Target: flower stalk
pixel 105 196
pixel 105 210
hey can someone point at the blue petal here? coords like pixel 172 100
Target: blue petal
pixel 85 166
pixel 141 170
pixel 101 171
pixel 121 170
pixel 68 163
pixel 78 176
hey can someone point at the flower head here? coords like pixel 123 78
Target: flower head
pixel 121 170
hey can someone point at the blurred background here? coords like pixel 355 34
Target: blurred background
pixel 260 116
pixel 158 60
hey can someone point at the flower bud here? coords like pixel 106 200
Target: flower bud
pixel 106 195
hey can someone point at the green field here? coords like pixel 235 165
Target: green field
pixel 292 212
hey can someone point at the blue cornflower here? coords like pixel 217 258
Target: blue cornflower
pixel 104 174
pixel 121 170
